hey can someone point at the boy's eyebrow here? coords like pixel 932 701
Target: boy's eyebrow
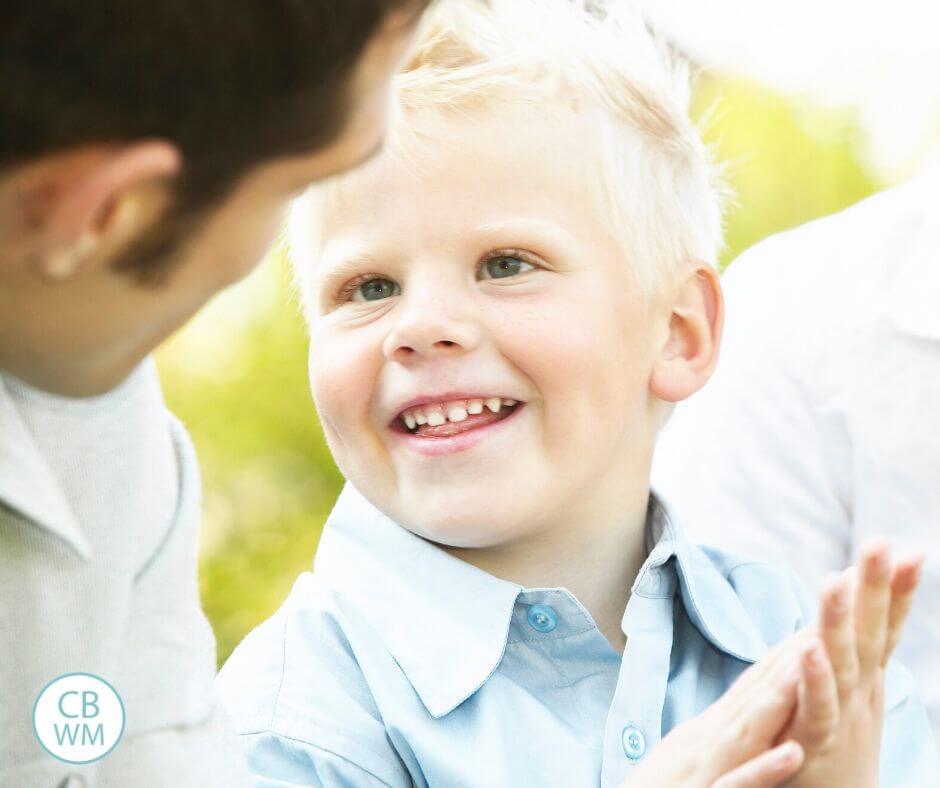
pixel 344 260
pixel 536 226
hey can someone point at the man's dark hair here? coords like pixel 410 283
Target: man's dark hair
pixel 231 82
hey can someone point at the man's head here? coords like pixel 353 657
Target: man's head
pixel 147 152
pixel 503 304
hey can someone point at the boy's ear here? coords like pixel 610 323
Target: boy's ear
pixel 89 202
pixel 689 353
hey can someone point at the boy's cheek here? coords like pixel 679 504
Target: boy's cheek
pixel 341 384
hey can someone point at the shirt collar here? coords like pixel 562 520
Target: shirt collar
pixel 27 485
pixel 912 301
pixel 446 622
pixel 710 601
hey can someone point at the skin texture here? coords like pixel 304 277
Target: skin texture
pixel 569 335
pixel 71 324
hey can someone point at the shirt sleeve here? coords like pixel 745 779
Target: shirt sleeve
pixel 171 639
pixel 278 761
pixel 302 706
pixel 908 752
pixel 756 462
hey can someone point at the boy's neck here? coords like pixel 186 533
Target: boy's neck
pixel 596 558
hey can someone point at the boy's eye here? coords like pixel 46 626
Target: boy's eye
pixel 375 290
pixel 370 287
pixel 503 266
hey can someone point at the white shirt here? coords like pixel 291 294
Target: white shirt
pixel 99 514
pixel 821 426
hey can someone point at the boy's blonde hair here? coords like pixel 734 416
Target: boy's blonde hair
pixel 659 188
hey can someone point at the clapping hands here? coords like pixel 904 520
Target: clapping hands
pixel 809 714
pixel 839 711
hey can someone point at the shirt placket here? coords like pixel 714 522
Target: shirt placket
pixel 634 723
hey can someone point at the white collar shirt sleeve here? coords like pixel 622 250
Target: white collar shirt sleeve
pixel 99 517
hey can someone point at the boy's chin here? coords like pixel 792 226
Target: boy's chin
pixel 466 515
pixel 482 526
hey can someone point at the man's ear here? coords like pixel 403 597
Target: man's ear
pixel 689 353
pixel 93 202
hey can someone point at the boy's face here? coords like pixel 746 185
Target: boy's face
pixel 482 268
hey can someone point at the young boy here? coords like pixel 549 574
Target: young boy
pixel 502 307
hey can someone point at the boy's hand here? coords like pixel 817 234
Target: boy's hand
pixel 732 743
pixel 841 695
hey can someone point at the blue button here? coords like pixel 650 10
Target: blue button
pixel 634 743
pixel 542 618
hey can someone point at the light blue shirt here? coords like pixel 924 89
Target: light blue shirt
pixel 396 664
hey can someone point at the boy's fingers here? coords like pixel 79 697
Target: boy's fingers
pixel 904 581
pixel 872 602
pixel 773 681
pixel 767 770
pixel 817 714
pixel 750 724
pixel 837 631
pixel 753 713
pixel 780 658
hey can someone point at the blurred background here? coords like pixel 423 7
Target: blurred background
pixel 811 105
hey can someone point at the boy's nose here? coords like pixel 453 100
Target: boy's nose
pixel 423 335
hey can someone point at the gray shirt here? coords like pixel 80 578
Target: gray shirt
pixel 99 514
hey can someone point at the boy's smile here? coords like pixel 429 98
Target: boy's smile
pixel 438 425
pixel 480 356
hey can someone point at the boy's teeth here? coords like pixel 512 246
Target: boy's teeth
pixel 456 413
pixel 436 415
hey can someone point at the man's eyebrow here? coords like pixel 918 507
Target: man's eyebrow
pixel 414 13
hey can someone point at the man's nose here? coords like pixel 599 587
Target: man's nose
pixel 429 329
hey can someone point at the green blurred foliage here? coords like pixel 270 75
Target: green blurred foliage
pixel 786 161
pixel 237 377
pixel 268 478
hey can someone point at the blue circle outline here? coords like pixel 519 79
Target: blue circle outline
pixel 548 611
pixel 632 726
pixel 103 681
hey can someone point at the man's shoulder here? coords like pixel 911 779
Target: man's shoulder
pixel 780 293
pixel 123 444
pixel 854 255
